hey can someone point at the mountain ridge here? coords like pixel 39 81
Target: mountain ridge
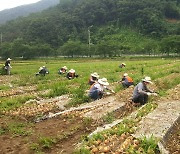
pixel 25 10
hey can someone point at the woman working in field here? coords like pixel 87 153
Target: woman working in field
pixel 7 66
pixel 63 70
pixel 122 65
pixel 97 90
pixel 42 71
pixel 93 78
pixel 126 81
pixel 71 74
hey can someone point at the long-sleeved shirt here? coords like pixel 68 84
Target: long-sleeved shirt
pixel 96 87
pixel 140 88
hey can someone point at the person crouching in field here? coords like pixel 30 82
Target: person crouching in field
pixel 126 81
pixel 93 78
pixel 122 65
pixel 71 74
pixel 141 92
pixel 97 90
pixel 42 71
pixel 63 70
pixel 7 66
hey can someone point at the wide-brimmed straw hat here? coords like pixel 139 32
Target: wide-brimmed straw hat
pixel 95 74
pixel 103 81
pixel 9 59
pixel 64 67
pixel 72 71
pixel 147 79
pixel 124 64
pixel 125 74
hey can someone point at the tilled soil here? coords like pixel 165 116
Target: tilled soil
pixel 60 134
pixel 66 130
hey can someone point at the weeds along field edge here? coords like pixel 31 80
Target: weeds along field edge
pixel 23 74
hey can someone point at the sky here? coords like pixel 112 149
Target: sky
pixel 6 4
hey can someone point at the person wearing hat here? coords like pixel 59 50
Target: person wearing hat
pixel 7 66
pixel 71 74
pixel 122 65
pixel 42 71
pixel 97 89
pixel 126 81
pixel 93 78
pixel 63 70
pixel 141 92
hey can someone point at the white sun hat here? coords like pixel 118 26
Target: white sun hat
pixel 40 68
pixel 124 64
pixel 125 74
pixel 103 81
pixel 72 71
pixel 147 79
pixel 95 74
pixel 9 59
pixel 64 67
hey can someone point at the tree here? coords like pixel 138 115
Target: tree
pixel 171 44
pixel 72 48
pixel 5 50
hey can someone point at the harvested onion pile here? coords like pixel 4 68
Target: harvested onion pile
pixel 31 110
pixel 13 92
pixel 114 144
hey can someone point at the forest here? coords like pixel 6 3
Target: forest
pixel 87 28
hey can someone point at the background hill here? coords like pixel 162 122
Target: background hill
pixel 25 10
pixel 95 27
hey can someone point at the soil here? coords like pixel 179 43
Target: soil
pixel 68 130
pixel 65 131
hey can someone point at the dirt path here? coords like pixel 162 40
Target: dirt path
pixel 160 120
pixel 163 121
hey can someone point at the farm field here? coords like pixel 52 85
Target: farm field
pixel 51 114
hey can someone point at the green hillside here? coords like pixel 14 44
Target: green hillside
pixel 95 27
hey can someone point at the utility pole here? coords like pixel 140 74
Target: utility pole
pixel 1 38
pixel 89 39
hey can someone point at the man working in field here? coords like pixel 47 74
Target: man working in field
pixel 141 92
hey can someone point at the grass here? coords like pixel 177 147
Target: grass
pixel 18 129
pixel 149 145
pixel 12 103
pixel 87 120
pixel 160 70
pixel 47 142
pixel 2 131
pixel 164 73
pixel 146 109
pixel 43 143
pixel 83 150
pixel 108 118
